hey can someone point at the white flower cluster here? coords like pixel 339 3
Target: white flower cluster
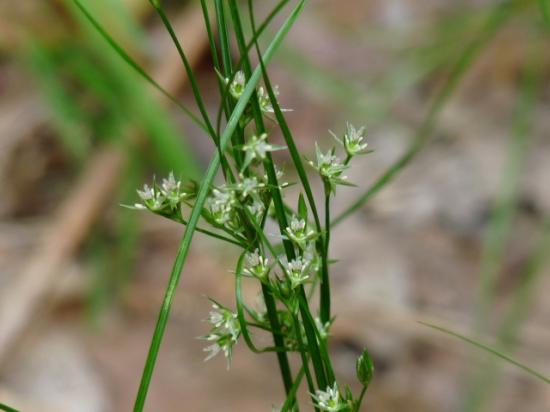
pixel 222 205
pixel 256 265
pixel 237 86
pixel 257 148
pixel 330 168
pixel 299 233
pixel 164 199
pixel 224 334
pixel 353 141
pixel 330 400
pixel 298 271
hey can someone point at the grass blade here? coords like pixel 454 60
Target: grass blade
pixel 132 63
pixel 197 209
pixel 6 408
pixel 490 350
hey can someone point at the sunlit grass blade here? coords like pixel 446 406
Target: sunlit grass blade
pixel 498 17
pixel 490 350
pixel 132 63
pixel 6 408
pixel 197 209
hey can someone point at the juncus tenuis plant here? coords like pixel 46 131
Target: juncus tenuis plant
pixel 289 268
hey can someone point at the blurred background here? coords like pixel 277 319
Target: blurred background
pixel 460 238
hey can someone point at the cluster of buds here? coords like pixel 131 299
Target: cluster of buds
pixel 224 333
pixel 165 199
pixel 330 400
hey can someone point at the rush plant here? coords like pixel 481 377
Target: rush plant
pixel 243 189
pixel 289 268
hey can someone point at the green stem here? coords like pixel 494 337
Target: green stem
pixel 303 356
pixel 325 279
pixel 196 213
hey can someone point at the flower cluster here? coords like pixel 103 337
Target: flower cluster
pixel 298 271
pixel 222 205
pixel 256 266
pixel 353 141
pixel 330 400
pixel 165 199
pixel 237 86
pixel 224 333
pixel 330 168
pixel 299 233
pixel 257 148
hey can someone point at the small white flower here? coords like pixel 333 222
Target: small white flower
pixel 257 148
pixel 213 350
pixel 224 333
pixel 353 140
pixel 256 208
pixel 164 199
pixel 256 265
pixel 298 271
pixel 322 327
pixel 265 102
pixel 298 232
pixel 249 186
pixel 153 199
pixel 263 98
pixel 146 193
pixel 329 400
pixel 170 184
pixel 222 204
pixel 237 85
pixel 330 168
pixel 222 318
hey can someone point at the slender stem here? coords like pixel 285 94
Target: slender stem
pixel 325 279
pixel 303 356
pixel 196 213
pixel 361 396
pixel 194 87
